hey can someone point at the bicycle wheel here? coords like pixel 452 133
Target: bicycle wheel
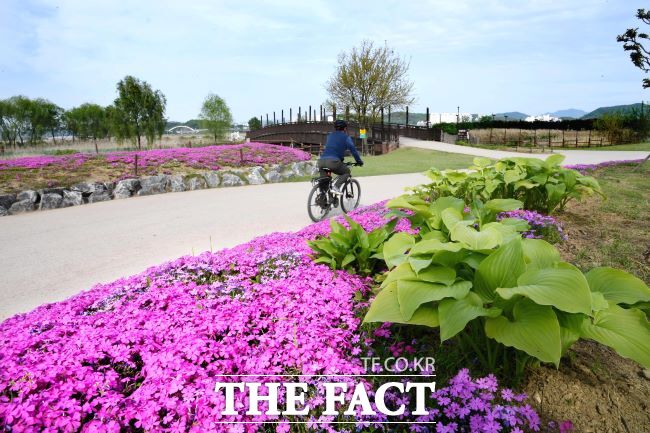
pixel 317 204
pixel 351 195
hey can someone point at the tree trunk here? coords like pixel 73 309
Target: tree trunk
pixel 96 148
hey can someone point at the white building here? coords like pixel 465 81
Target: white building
pixel 543 118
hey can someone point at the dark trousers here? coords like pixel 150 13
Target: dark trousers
pixel 337 167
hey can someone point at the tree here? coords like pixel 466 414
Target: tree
pixel 89 121
pixel 633 42
pixel 368 79
pixel 254 123
pixel 139 110
pixel 215 116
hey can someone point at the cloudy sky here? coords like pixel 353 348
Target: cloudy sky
pixel 482 55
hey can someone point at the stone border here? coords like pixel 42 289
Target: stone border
pixel 81 193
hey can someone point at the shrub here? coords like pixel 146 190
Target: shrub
pixel 542 186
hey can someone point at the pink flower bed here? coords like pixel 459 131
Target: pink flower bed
pixel 209 158
pixel 145 352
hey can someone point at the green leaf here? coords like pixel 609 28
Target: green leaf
pixel 503 205
pixel 539 254
pixel 534 330
pixel 396 247
pixel 564 289
pixel 570 328
pixel 481 161
pixel 433 246
pixel 528 184
pixel 419 261
pixel 475 240
pixel 450 217
pixel 437 274
pixel 518 224
pixel 385 308
pixel 618 286
pixel 598 302
pixel 455 314
pixel 410 202
pixel 402 271
pixel 511 176
pixel 435 235
pixel 625 331
pixel 500 269
pixel 412 294
pixel 554 160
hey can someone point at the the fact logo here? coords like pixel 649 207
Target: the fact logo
pixel 338 401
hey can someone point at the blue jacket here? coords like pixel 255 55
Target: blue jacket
pixel 337 143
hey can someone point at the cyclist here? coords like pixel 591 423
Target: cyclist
pixel 332 158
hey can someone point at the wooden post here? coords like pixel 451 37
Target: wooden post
pixel 267 119
pixel 314 114
pixel 389 114
pixel 274 121
pixel 310 113
pixel 563 138
pixel 549 137
pixel 321 112
pixel 589 141
pixel 577 133
pixel 136 165
pixel 407 116
pixel 535 138
pixel 290 115
pixel 427 117
pixel 283 116
pixel 299 113
pixel 261 121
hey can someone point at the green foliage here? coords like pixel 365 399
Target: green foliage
pixel 137 111
pixel 543 186
pixel 633 43
pixel 24 120
pixel 215 116
pixel 368 78
pixel 352 249
pixel 254 123
pixel 88 121
pixel 505 298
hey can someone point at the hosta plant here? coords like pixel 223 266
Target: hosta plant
pixel 351 248
pixel 543 186
pixel 494 291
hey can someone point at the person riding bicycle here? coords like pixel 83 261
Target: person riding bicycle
pixel 332 158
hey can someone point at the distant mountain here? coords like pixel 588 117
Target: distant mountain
pixel 512 115
pixel 597 113
pixel 571 113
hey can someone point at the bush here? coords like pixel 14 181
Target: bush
pixel 542 186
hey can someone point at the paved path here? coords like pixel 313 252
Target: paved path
pixel 572 156
pixel 48 256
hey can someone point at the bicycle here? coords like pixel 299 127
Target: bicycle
pixel 323 198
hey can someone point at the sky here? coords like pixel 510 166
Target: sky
pixel 484 56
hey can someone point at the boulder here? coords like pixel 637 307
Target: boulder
pixel 176 183
pixel 126 188
pixel 7 200
pixel 22 206
pixel 212 178
pixel 72 198
pixel 153 185
pixel 256 176
pixel 98 196
pixel 229 179
pixel 194 182
pixel 3 211
pixel 51 201
pixel 273 176
pixel 311 169
pixel 86 188
pixel 29 195
pixel 297 168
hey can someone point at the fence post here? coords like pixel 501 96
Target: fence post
pixel 321 112
pixel 261 121
pixel 267 119
pixel 535 138
pixel 334 113
pixel 299 113
pixel 407 116
pixel 283 116
pixel 274 121
pixel 427 117
pixel 577 133
pixel 589 142
pixel 290 115
pixel 310 113
pixel 389 114
pixel 136 165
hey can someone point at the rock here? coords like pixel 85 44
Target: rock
pixel 98 196
pixel 194 182
pixel 85 188
pixel 7 200
pixel 29 195
pixel 51 201
pixel 153 185
pixel 311 169
pixel 297 168
pixel 3 211
pixel 126 188
pixel 58 191
pixel 256 177
pixel 229 179
pixel 22 206
pixel 176 183
pixel 72 198
pixel 273 176
pixel 288 174
pixel 646 373
pixel 537 398
pixel 212 178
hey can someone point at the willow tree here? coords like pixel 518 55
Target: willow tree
pixel 369 78
pixel 138 111
pixel 215 116
pixel 633 42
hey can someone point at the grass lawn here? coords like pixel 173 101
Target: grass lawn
pixel 612 232
pixel 410 160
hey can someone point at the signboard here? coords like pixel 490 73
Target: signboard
pixel 362 133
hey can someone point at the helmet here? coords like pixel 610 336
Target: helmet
pixel 340 125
